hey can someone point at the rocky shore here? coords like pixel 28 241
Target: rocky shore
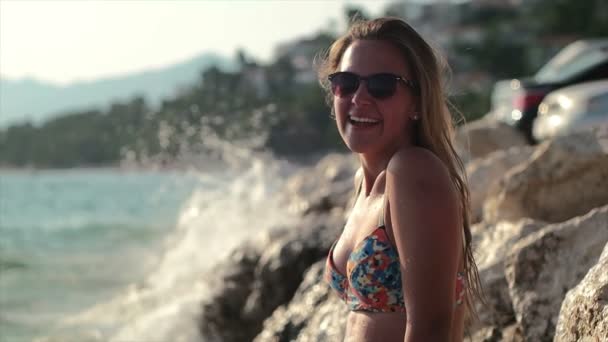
pixel 540 232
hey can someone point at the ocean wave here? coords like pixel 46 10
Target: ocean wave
pixel 166 303
pixel 7 264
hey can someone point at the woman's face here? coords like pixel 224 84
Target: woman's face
pixel 390 117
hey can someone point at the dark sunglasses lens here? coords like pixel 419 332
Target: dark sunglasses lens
pixel 381 85
pixel 344 84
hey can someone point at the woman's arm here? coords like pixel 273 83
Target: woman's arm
pixel 425 221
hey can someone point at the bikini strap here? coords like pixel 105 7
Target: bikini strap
pixel 359 188
pixel 384 204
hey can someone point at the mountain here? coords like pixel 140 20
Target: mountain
pixel 36 101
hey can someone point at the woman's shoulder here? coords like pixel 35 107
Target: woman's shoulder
pixel 419 181
pixel 415 173
pixel 417 162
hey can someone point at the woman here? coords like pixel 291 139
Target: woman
pixel 403 263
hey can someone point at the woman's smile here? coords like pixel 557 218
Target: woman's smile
pixel 363 121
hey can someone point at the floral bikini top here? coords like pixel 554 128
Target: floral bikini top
pixel 373 276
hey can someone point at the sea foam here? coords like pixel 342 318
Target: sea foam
pixel 165 306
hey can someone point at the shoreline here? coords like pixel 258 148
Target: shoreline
pixel 187 165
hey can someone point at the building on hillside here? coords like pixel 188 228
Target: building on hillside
pixel 255 75
pixel 301 53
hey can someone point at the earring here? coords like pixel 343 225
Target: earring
pixel 332 114
pixel 415 117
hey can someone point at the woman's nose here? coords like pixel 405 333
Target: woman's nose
pixel 361 96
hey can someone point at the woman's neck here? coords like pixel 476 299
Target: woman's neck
pixel 372 167
pixel 374 163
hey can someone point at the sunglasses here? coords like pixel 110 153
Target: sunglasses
pixel 379 86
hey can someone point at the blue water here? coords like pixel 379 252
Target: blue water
pixel 69 239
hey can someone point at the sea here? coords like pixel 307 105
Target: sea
pixel 124 255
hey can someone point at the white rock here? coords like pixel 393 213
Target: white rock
pixel 584 312
pixel 484 173
pixel 484 136
pixel 564 178
pixel 492 243
pixel 543 266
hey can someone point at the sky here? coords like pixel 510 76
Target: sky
pixel 69 41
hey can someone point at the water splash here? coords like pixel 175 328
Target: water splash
pixel 165 306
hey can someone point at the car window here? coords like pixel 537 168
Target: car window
pixel 554 108
pixel 571 61
pixel 598 105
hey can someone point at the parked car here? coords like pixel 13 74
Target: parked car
pixel 572 108
pixel 516 101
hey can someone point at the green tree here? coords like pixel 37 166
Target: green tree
pixel 582 18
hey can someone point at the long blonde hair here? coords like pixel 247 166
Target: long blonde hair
pixel 435 128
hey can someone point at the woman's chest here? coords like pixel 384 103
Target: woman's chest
pixel 363 221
